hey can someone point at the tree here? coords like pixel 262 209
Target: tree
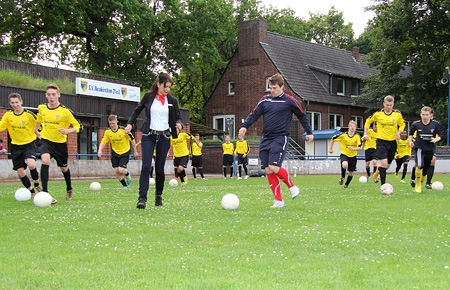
pixel 410 40
pixel 329 29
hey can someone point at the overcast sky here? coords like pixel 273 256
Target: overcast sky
pixel 353 10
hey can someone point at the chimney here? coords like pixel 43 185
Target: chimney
pixel 355 53
pixel 250 34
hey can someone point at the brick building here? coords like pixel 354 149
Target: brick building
pixel 323 78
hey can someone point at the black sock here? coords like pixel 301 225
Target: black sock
pixel 35 176
pixel 231 171
pixel 44 176
pixel 240 171
pixel 349 179
pixel 382 171
pixel 193 172
pixel 124 183
pixel 405 170
pixel 430 173
pixel 201 172
pixel 68 180
pixel 368 171
pixel 225 172
pixel 343 172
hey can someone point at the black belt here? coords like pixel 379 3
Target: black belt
pixel 156 132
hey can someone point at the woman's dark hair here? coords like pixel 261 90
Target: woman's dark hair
pixel 162 78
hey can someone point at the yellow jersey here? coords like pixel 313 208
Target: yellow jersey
pixel 387 124
pixel 403 149
pixel 345 140
pixel 196 150
pixel 54 119
pixel 242 147
pixel 372 142
pixel 228 148
pixel 120 140
pixel 179 145
pixel 20 127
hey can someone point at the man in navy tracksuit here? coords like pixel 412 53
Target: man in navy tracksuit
pixel 277 109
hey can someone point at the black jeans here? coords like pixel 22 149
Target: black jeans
pixel 148 145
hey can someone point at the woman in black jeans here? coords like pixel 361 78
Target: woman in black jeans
pixel 162 118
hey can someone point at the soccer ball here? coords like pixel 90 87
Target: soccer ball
pixel 22 194
pixel 230 201
pixel 387 189
pixel 43 199
pixel 95 186
pixel 363 179
pixel 437 185
pixel 151 181
pixel 173 182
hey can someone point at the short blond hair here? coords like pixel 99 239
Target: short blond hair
pixel 389 99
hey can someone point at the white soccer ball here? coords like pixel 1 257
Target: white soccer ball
pixel 95 186
pixel 363 179
pixel 437 185
pixel 43 199
pixel 173 182
pixel 387 189
pixel 230 201
pixel 22 194
pixel 151 181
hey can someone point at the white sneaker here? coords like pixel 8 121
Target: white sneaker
pixel 295 191
pixel 278 204
pixel 204 178
pixel 246 177
pixel 239 178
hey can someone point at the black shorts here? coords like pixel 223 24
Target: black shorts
pixel 197 161
pixel 403 159
pixel 19 153
pixel 370 154
pixel 183 161
pixel 272 150
pixel 58 151
pixel 227 160
pixel 351 162
pixel 242 160
pixel 386 150
pixel 120 160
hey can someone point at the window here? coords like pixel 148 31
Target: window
pixel 355 88
pixel 231 88
pixel 314 120
pixel 267 85
pixel 225 123
pixel 340 91
pixel 336 121
pixel 359 121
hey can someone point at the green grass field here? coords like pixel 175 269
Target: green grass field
pixel 327 238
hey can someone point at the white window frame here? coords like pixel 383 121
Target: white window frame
pixel 267 85
pixel 338 92
pixel 228 124
pixel 335 120
pixel 231 88
pixel 359 121
pixel 312 117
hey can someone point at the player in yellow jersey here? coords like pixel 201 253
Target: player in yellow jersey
pixel 350 143
pixel 241 152
pixel 370 151
pixel 402 156
pixel 57 122
pixel 181 154
pixel 227 158
pixel 197 159
pixel 20 125
pixel 121 143
pixel 390 123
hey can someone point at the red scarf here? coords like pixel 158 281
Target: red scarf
pixel 162 98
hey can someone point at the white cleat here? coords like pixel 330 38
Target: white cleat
pixel 246 177
pixel 295 191
pixel 239 178
pixel 278 204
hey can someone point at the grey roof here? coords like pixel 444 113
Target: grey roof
pixel 297 60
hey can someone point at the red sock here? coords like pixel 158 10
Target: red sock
pixel 274 185
pixel 284 175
